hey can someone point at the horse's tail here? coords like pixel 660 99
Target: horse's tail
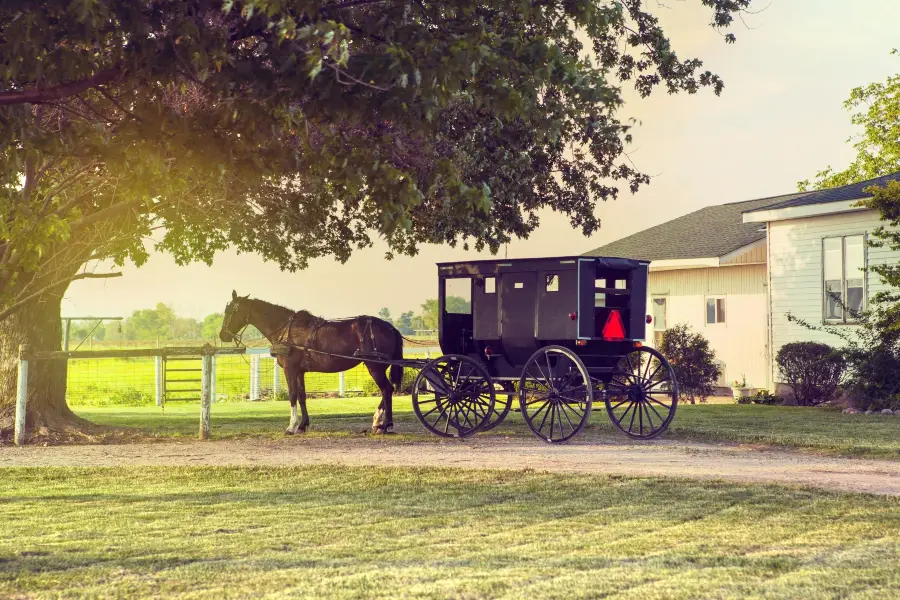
pixel 396 374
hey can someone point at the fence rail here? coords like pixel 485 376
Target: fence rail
pixel 128 375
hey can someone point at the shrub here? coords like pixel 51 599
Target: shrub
pixel 765 397
pixel 692 360
pixel 812 370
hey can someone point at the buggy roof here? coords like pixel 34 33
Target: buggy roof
pixel 534 264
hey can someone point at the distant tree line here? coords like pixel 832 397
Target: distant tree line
pixel 161 323
pixel 151 324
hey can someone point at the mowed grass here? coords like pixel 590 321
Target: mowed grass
pixel 330 532
pixel 820 430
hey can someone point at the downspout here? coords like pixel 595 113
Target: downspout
pixel 770 359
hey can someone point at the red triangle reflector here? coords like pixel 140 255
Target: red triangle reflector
pixel 614 328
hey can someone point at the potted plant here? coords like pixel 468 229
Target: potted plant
pixel 739 389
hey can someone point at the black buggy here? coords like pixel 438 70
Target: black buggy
pixel 556 333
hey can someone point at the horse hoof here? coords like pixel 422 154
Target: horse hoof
pixel 288 432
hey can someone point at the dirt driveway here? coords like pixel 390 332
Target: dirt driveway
pixel 665 458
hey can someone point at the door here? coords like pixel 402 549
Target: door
pixel 518 296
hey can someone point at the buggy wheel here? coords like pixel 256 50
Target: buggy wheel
pixel 555 394
pixel 460 396
pixel 503 402
pixel 642 395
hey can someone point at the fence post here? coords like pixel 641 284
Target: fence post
pixel 205 393
pixel 341 382
pixel 21 398
pixel 212 379
pixel 276 379
pixel 159 380
pixel 254 377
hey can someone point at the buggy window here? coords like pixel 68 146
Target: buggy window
pixel 552 281
pixel 458 295
pixel 490 285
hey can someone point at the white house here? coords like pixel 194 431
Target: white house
pixel 817 251
pixel 734 272
pixel 708 270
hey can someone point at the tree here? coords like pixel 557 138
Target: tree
pixel 693 361
pixel 385 315
pixel 872 350
pixel 299 129
pixel 404 323
pixel 212 324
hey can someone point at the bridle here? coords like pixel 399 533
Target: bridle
pixel 237 337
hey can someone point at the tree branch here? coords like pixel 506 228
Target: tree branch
pixel 20 303
pixel 349 4
pixel 104 213
pixel 61 91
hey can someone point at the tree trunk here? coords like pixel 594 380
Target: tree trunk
pixel 38 326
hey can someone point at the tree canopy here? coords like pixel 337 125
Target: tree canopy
pixel 877 107
pixel 301 128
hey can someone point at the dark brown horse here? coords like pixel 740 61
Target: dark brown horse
pixel 312 344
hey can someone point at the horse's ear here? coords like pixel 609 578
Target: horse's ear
pixel 233 295
pixel 247 297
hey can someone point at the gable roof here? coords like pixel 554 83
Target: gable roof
pixel 710 232
pixel 853 191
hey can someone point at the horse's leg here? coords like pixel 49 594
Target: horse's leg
pixel 301 396
pixel 291 375
pixel 378 417
pixel 385 422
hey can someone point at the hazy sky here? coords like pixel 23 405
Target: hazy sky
pixel 779 120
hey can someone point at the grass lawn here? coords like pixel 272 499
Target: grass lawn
pixel 813 429
pixel 352 533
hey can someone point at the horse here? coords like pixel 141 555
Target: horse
pixel 312 344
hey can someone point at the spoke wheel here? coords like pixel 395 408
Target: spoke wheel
pixel 555 394
pixel 642 395
pixel 458 399
pixel 504 391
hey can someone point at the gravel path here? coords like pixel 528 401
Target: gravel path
pixel 663 458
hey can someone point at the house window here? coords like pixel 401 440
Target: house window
pixel 659 320
pixel 659 314
pixel 552 283
pixel 715 311
pixel 843 261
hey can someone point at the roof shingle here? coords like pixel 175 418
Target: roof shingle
pixel 854 191
pixel 707 233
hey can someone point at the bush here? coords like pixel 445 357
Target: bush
pixel 812 370
pixel 767 398
pixel 692 360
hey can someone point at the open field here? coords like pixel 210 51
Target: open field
pixel 132 381
pixel 428 533
pixel 819 430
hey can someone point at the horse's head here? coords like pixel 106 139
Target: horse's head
pixel 237 316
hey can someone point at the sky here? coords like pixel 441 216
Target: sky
pixel 779 120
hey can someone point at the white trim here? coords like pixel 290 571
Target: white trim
pixel 799 212
pixel 683 263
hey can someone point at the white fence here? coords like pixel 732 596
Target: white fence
pixel 211 374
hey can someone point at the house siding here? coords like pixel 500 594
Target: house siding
pixel 796 273
pixel 740 342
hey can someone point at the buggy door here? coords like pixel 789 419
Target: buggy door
pixel 518 294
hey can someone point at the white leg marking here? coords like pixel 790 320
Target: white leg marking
pixel 295 421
